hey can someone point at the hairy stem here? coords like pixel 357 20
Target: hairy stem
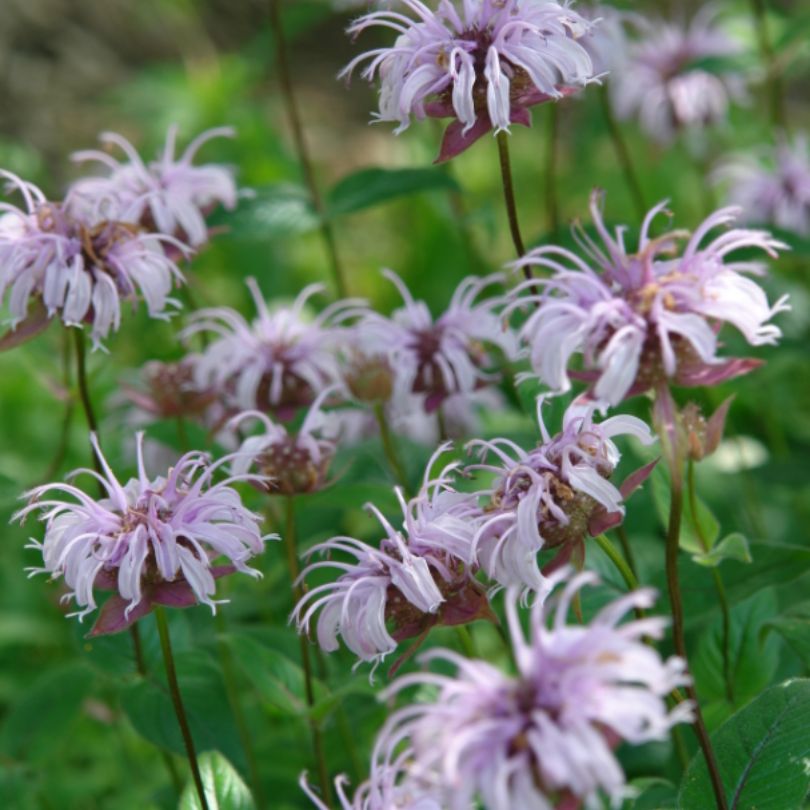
pixel 84 396
pixel 618 561
pixel 177 702
pixel 285 79
pixel 290 546
pixel 623 154
pixel 509 197
pixel 466 640
pixel 390 448
pixel 679 640
pixel 718 583
pixel 776 96
pixel 627 549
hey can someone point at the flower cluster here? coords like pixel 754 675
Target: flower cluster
pixel 551 496
pixel 151 540
pixel 773 185
pixel 279 362
pixel 414 578
pixel 660 79
pixel 483 65
pixel 449 355
pixel 545 736
pixel 651 315
pixel 170 195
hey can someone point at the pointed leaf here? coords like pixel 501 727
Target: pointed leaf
pixel 113 616
pixel 733 546
pixel 36 322
pixel 762 754
pixel 222 784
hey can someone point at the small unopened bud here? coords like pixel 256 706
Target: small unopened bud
pixel 370 379
pixel 170 391
pixel 292 469
pixel 703 435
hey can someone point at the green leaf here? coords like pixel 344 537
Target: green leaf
pixel 370 187
pixel 148 705
pixel 278 680
pixel 752 662
pixel 794 627
pixel 763 753
pixel 223 787
pixel 733 546
pixel 50 703
pixel 652 794
pixel 283 209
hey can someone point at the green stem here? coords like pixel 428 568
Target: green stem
pixel 509 198
pixel 285 78
pixel 623 154
pixel 466 640
pixel 627 549
pixel 84 396
pixel 618 561
pixel 776 97
pixel 177 702
pixel 390 448
pixel 232 693
pixel 718 582
pixel 441 423
pixel 679 639
pixel 290 546
pixel 552 159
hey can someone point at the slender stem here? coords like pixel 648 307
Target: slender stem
pixel 441 423
pixel 618 561
pixel 627 549
pixel 67 418
pixel 509 197
pixel 390 448
pixel 718 582
pixel 674 588
pixel 302 149
pixel 290 546
pixel 466 640
pixel 232 693
pixel 177 702
pixel 776 96
pixel 84 396
pixel 623 154
pixel 552 159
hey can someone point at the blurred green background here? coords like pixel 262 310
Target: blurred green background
pixel 73 715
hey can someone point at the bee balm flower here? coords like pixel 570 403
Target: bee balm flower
pixel 545 737
pixel 483 64
pixel 652 315
pixel 170 195
pixel 149 540
pixel 81 269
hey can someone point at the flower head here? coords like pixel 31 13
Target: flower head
pixel 416 577
pixel 151 540
pixel 290 464
pixel 551 496
pixel 78 268
pixel 773 185
pixel 547 735
pixel 445 356
pixel 377 794
pixel 652 315
pixel 483 64
pixel 279 362
pixel 170 195
pixel 661 81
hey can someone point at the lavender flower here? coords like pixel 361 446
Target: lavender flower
pixel 484 64
pixel 545 738
pixel 416 577
pixel 444 356
pixel 377 794
pixel 170 195
pixel 772 185
pixel 279 362
pixel 290 464
pixel 652 315
pixel 79 269
pixel 660 80
pixel 552 495
pixel 149 540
